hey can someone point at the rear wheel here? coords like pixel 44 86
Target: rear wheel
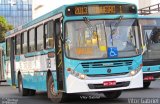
pixel 146 84
pixel 55 97
pixel 112 94
pixel 22 91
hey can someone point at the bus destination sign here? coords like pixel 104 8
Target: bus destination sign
pixel 100 9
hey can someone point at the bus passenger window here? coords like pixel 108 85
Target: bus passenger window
pixel 18 45
pixel 31 40
pixel 24 43
pixel 40 38
pixel 49 34
pixel 8 47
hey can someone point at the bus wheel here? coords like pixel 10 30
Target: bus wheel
pixel 146 84
pixel 22 91
pixel 55 97
pixel 112 94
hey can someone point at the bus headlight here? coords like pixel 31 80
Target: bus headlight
pixel 134 72
pixel 76 74
pixel 82 76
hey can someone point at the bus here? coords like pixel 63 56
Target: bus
pixel 150 28
pixel 2 62
pixel 76 48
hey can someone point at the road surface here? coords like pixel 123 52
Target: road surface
pixel 9 95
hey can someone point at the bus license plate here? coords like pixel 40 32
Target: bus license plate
pixel 148 78
pixel 109 83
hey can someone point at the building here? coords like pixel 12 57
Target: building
pixel 17 12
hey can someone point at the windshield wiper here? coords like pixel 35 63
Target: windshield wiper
pixel 113 31
pixel 120 19
pixel 88 23
pixel 93 34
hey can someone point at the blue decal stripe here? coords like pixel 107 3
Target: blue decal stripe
pixel 44 52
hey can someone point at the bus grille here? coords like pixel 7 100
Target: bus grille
pixel 104 64
pixel 107 75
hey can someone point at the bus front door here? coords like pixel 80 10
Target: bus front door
pixel 59 54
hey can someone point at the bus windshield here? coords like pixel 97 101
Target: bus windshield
pixel 152 41
pixel 92 39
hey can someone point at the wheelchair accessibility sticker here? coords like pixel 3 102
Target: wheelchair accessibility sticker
pixel 112 52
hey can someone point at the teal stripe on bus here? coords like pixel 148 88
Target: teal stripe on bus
pixel 43 52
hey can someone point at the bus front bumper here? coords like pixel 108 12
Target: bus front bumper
pixel 155 75
pixel 76 85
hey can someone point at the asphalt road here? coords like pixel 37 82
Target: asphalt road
pixel 9 95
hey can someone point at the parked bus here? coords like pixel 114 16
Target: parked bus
pixel 2 62
pixel 84 47
pixel 150 27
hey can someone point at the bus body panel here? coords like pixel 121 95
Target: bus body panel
pixel 34 67
pixel 8 73
pixel 151 69
pixel 75 85
pixel 99 75
pixel 77 65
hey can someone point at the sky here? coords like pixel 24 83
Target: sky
pixel 62 2
pixel 48 5
pixel 72 1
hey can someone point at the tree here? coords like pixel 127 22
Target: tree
pixel 4 27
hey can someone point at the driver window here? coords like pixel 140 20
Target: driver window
pixel 155 37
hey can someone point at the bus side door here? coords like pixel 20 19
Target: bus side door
pixel 59 53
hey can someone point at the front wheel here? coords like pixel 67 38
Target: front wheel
pixel 112 94
pixel 146 84
pixel 55 97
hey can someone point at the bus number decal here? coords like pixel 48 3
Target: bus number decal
pixel 81 10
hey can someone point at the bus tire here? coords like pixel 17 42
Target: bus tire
pixel 146 84
pixel 52 95
pixel 112 94
pixel 22 91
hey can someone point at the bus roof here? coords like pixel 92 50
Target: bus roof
pixel 61 9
